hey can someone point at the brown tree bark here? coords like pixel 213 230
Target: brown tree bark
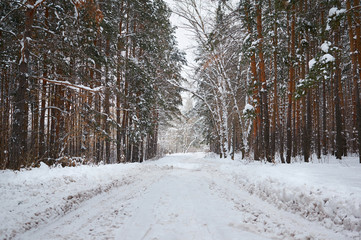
pixel 290 88
pixel 305 114
pixel 264 93
pixel 18 142
pixel 120 47
pixel 125 121
pixel 35 121
pixel 4 119
pixel 338 99
pixel 355 77
pixel 358 32
pixel 107 104
pixel 97 102
pixel 275 117
pixel 256 121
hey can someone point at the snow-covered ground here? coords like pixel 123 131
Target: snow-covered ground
pixel 184 196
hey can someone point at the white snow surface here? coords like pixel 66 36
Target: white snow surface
pixel 184 196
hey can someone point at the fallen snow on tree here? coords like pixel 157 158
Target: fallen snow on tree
pixel 311 63
pixel 327 58
pixel 247 109
pixel 325 46
pixel 336 12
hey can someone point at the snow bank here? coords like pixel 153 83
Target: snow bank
pixel 32 197
pixel 325 192
pixel 329 192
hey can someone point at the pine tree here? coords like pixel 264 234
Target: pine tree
pixel 74 56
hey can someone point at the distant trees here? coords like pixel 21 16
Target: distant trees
pixel 85 79
pixel 218 78
pixel 293 66
pixel 183 134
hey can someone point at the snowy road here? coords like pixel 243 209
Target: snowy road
pixel 179 197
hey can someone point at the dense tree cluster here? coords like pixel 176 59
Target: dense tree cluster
pixel 279 77
pixel 85 79
pixel 183 134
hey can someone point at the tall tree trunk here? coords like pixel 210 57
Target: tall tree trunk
pixel 18 142
pixel 318 124
pixel 42 140
pixel 264 94
pixel 107 103
pixel 338 95
pixel 355 76
pixel 309 101
pixel 125 121
pixel 291 87
pixel 98 118
pixel 275 117
pixel 52 121
pixel 4 119
pixel 2 130
pixel 120 46
pixel 256 121
pixel 324 119
pixel 35 121
pixel 358 32
pixel 309 124
pixel 305 108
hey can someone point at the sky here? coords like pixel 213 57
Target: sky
pixel 186 43
pixel 185 40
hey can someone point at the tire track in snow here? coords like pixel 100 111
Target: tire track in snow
pixel 190 199
pixel 301 203
pixel 180 205
pixel 261 216
pixel 80 204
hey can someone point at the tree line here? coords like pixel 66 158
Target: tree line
pixel 85 80
pixel 278 78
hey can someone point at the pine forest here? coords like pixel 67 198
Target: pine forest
pixel 93 81
pixel 180 119
pixel 83 80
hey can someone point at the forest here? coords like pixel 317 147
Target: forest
pixel 279 79
pixel 87 81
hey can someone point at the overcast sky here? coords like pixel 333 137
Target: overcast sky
pixel 186 43
pixel 185 40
